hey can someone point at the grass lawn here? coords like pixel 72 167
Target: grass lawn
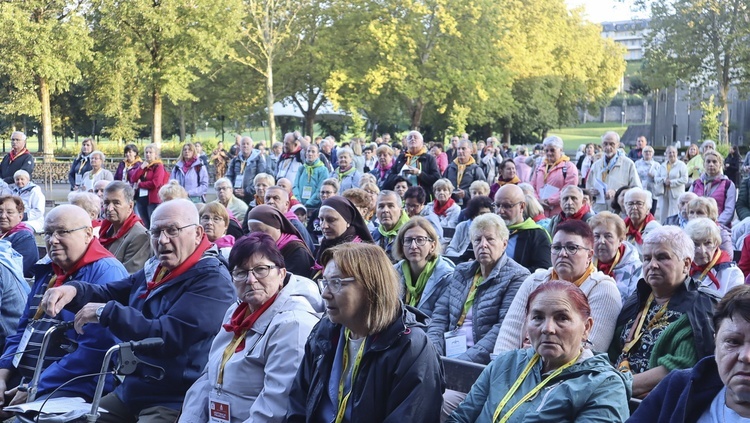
pixel 585 133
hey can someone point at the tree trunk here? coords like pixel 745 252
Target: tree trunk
pixel 156 130
pixel 723 98
pixel 416 115
pixel 183 132
pixel 309 124
pixel 48 149
pixel 506 135
pixel 270 101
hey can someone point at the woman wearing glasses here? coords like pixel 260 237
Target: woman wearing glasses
pixel 215 221
pixel 254 358
pixel 422 268
pixel 288 240
pixel 572 254
pixel 368 360
pixel 640 221
pixel 20 235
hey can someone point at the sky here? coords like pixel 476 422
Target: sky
pixel 606 10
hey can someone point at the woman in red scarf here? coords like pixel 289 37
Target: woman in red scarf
pixel 149 177
pixel 255 356
pixel 214 219
pixel 640 221
pixel 712 268
pixel 20 236
pixel 613 256
pixel 288 240
pixel 444 208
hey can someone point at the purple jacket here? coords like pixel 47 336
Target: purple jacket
pixel 195 181
pixel 725 194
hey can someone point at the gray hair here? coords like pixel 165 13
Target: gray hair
pixel 21 172
pixel 23 136
pixel 345 151
pixel 120 186
pixel 708 143
pixel 554 141
pixel 671 147
pixel 87 201
pixel 611 135
pixel 489 221
pixel 220 181
pixel 98 153
pixel 702 229
pixel 645 193
pixel 674 238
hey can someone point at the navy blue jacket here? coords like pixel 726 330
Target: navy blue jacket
pixel 186 312
pixel 25 244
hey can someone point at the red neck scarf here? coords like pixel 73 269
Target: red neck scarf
pixel 285 156
pixel 94 252
pixel 703 271
pixel 162 275
pixel 636 232
pixel 127 225
pixel 608 268
pixel 577 215
pixel 187 164
pixel 242 320
pixel 441 210
pixel 14 156
pixel 538 217
pixel 18 228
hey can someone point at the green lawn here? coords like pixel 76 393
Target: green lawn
pixel 585 133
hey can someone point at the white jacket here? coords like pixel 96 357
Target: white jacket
pixel 623 174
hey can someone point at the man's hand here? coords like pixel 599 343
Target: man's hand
pixel 610 194
pixel 239 192
pixel 19 397
pixel 459 193
pixel 55 299
pixel 86 315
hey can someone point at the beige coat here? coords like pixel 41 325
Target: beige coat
pixel 133 249
pixel 622 174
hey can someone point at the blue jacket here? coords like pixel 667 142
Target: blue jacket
pixel 13 291
pixel 682 396
pixel 186 312
pixel 25 244
pixel 195 181
pixel 61 366
pixel 314 181
pixel 254 165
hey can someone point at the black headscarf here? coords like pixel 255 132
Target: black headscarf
pixel 273 218
pixel 350 213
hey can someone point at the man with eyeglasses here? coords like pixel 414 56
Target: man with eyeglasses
pixel 243 168
pixel 73 254
pixel 19 158
pixel 528 243
pixel 640 221
pixel 122 231
pixel 181 296
pixel 610 173
pixel 225 197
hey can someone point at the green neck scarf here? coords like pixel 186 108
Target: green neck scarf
pixel 343 175
pixel 524 226
pixel 393 232
pixel 310 168
pixel 414 291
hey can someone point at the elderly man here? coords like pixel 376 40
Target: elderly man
pixel 529 243
pixel 292 159
pixel 328 153
pixel 122 231
pixel 180 296
pixel 573 207
pixel 225 197
pixel 278 198
pixel 462 172
pixel 453 150
pixel 243 168
pixel 640 221
pixel 636 152
pixel 73 254
pixel 610 173
pixel 19 158
pixel 681 218
pixel 415 164
pixel 392 217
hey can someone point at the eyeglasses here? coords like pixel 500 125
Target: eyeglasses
pixel 260 272
pixel 327 193
pixel 215 219
pixel 501 206
pixel 61 233
pixel 420 240
pixel 223 188
pixel 570 249
pixel 635 204
pixel 334 285
pixel 8 212
pixel 170 232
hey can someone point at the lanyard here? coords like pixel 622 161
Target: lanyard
pixel 531 393
pixel 80 166
pixel 635 333
pixel 608 167
pixel 615 262
pixel 710 265
pixel 228 353
pixel 343 399
pixel 470 299
pixel 551 167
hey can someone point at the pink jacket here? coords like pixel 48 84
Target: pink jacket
pixel 555 180
pixel 442 162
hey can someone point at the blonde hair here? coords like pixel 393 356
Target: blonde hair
pixel 371 268
pixel 482 187
pixel 491 222
pixel 93 143
pixel 172 191
pixel 154 149
pixel 443 183
pixel 215 208
pixel 417 222
pixel 190 147
pixel 707 202
pixel 718 157
pixel 609 219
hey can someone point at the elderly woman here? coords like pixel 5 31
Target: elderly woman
pixel 372 190
pixel 81 164
pixel 288 240
pixel 458 248
pixel 97 172
pixel 713 183
pixel 362 202
pixel 340 222
pixel 328 189
pixel 346 172
pixel 421 267
pixel 463 171
pixel 261 182
pixel 666 323
pixel 507 175
pixel 384 165
pixel 669 183
pixel 190 173
pixel 552 175
pixel 712 268
pixel 715 389
pixel 647 168
pixel 20 235
pixel 33 200
pixel 706 207
pixel 640 221
pixel 396 374
pixel 443 208
pixel 579 385
pixel 572 253
pixel 171 191
pixel 584 163
pixel 214 219
pixel 149 177
pixel 254 358
pixel 613 256
pixel 127 168
pixel 308 182
pixel 694 163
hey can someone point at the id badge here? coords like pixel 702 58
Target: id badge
pixel 218 408
pixel 143 192
pixel 306 192
pixel 455 343
pixel 79 179
pixel 22 345
pixel 238 182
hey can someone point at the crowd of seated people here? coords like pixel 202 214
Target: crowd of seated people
pixel 326 286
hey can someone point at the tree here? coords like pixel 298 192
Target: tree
pixel 700 42
pixel 710 123
pixel 161 47
pixel 42 43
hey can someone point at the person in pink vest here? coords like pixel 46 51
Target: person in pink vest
pixel 713 183
pixel 554 173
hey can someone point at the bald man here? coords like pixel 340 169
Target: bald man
pixel 19 158
pixel 180 296
pixel 573 207
pixel 73 254
pixel 528 244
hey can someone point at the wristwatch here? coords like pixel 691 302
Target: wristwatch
pixel 99 313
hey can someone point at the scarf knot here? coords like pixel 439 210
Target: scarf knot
pixel 442 210
pixel 637 232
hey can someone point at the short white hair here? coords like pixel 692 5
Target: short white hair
pixel 641 191
pixel 21 172
pixel 554 141
pixel 489 221
pixel 613 135
pixel 674 238
pixel 98 153
pixel 708 143
pixel 222 181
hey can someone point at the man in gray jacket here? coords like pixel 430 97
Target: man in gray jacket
pixel 243 168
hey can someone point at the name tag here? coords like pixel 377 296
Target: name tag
pixel 547 191
pixel 218 408
pixel 306 192
pixel 143 192
pixel 79 179
pixel 455 343
pixel 22 345
pixel 238 182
